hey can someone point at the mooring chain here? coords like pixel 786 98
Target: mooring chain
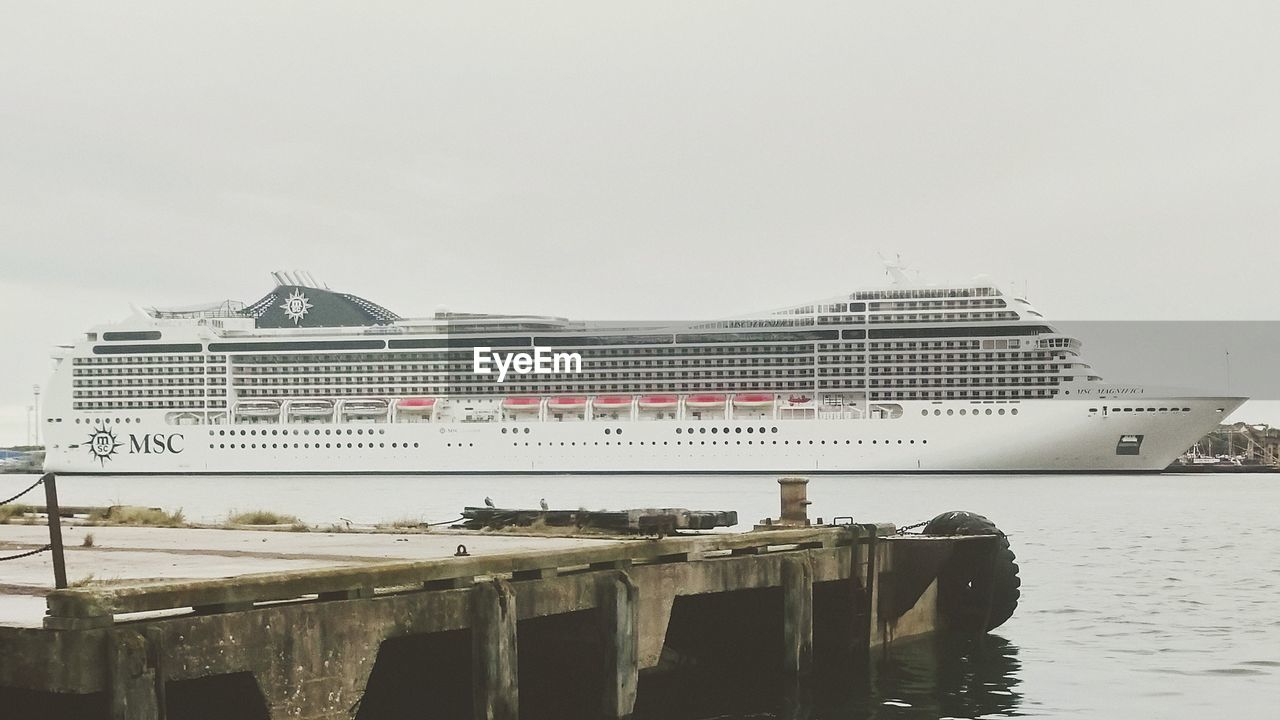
pixel 28 553
pixel 913 527
pixel 24 492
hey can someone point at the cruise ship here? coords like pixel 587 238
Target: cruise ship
pixel 904 379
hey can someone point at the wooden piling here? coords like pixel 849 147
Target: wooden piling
pixel 618 606
pixel 797 635
pixel 135 690
pixel 494 670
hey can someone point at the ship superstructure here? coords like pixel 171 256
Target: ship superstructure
pixel 900 379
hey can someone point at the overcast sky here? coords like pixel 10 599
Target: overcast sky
pixel 656 160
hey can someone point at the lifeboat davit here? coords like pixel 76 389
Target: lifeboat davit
pixel 705 401
pixel 311 408
pixel 567 403
pixel 611 402
pixel 753 400
pixel 522 403
pixel 658 402
pixel 258 408
pixel 364 408
pixel 415 404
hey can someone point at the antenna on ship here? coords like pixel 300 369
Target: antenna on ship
pixel 896 269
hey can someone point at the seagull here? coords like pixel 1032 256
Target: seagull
pixel 543 503
pixel 488 501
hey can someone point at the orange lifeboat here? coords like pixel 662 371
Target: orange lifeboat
pixel 612 402
pixel 753 400
pixel 416 404
pixel 705 401
pixel 522 403
pixel 566 403
pixel 658 402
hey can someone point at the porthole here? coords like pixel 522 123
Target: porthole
pixel 1000 411
pixel 988 411
pixel 1014 411
pixel 775 429
pixel 937 412
pixel 950 411
pixel 415 444
pixel 678 431
pixel 962 411
pixel 738 430
pixel 924 412
pixel 607 431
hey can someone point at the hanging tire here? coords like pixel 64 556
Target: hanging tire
pixel 977 592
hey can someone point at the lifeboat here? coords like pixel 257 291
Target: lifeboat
pixel 566 403
pixel 522 403
pixel 658 402
pixel 415 404
pixel 364 408
pixel 753 400
pixel 258 408
pixel 705 401
pixel 612 402
pixel 311 408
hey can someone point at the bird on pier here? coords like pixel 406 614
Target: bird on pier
pixel 488 501
pixel 543 503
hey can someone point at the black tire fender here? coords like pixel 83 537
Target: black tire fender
pixel 977 591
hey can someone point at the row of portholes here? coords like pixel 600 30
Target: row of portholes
pixel 458 445
pixel 726 442
pixel 725 430
pixel 90 421
pixel 516 430
pixel 999 411
pixel 308 446
pixel 264 433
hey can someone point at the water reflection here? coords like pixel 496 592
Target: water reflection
pixel 942 676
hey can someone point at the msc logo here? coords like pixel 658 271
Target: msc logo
pixel 155 444
pixel 102 444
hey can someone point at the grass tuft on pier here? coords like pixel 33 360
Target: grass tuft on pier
pixel 14 510
pixel 126 515
pixel 263 517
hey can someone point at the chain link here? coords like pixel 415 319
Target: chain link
pixel 28 553
pixel 24 492
pixel 904 529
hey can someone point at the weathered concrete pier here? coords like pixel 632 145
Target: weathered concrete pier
pixel 556 628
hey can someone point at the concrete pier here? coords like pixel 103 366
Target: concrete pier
pixel 463 632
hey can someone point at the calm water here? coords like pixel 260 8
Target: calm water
pixel 1142 596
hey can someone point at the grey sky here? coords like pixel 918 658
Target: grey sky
pixel 651 160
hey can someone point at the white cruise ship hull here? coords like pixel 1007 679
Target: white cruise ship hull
pixel 1049 436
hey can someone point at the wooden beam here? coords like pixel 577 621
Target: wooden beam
pixel 494 668
pixel 619 610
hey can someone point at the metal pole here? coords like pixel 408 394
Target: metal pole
pixel 55 531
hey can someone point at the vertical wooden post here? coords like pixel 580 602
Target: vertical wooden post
pixel 55 530
pixel 618 605
pixel 494 679
pixel 797 632
pixel 131 671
